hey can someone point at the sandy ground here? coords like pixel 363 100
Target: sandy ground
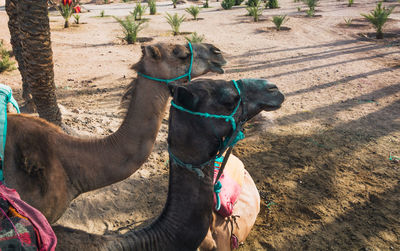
pixel 321 162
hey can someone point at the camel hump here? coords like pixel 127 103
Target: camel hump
pixel 235 169
pixel 5 98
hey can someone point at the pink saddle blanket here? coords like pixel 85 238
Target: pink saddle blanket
pixel 232 181
pixel 46 238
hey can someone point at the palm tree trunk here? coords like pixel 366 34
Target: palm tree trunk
pixel 37 56
pixel 11 8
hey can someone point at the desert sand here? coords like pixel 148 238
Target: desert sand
pixel 321 162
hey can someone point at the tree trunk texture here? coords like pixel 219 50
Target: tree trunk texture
pixel 34 28
pixel 11 8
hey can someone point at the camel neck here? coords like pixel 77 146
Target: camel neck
pixel 102 162
pixel 189 204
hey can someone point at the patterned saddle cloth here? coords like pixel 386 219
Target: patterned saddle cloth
pixel 16 231
pixel 232 181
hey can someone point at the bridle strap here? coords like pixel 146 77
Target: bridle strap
pixel 167 81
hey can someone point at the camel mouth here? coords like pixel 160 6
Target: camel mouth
pixel 272 108
pixel 217 67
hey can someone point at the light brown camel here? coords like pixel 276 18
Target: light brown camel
pixel 242 220
pixel 49 168
pixel 192 139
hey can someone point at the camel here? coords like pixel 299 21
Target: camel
pixel 219 236
pixel 186 217
pixel 49 168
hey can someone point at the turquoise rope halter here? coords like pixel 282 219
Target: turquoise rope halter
pixel 229 142
pixel 228 118
pixel 167 81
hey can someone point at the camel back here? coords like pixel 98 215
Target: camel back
pixel 5 98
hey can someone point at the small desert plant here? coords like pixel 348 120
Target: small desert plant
pixel 66 9
pixel 310 12
pixel 195 38
pixel 227 4
pixel 272 4
pixel 255 11
pixel 378 18
pixel 5 63
pixel 351 2
pixel 278 21
pixel 238 2
pixel 152 6
pixel 298 9
pixel 174 2
pixel 311 5
pixel 175 21
pixel 131 28
pixel 77 17
pixel 138 11
pixel 125 1
pixel 105 1
pixel 102 13
pixel 348 21
pixel 77 9
pixel 194 11
pixel 205 5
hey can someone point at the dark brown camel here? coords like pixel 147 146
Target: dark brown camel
pixel 186 217
pixel 49 168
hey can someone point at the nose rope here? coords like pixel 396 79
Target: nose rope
pixel 167 81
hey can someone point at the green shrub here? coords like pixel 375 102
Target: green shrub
pixel 255 11
pixel 227 4
pixel 139 11
pixel 278 21
pixel 152 6
pixel 272 4
pixel 310 12
pixel 311 4
pixel 175 21
pixel 5 63
pixel 378 18
pixel 174 2
pixel 351 2
pixel 238 2
pixel 205 5
pixel 102 13
pixel 125 1
pixel 131 28
pixel 194 11
pixel 195 38
pixel 298 9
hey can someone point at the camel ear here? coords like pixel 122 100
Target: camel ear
pixel 154 52
pixel 185 98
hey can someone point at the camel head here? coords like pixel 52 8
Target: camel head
pixel 168 61
pixel 189 131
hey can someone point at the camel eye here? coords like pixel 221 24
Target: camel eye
pixel 216 50
pixel 180 53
